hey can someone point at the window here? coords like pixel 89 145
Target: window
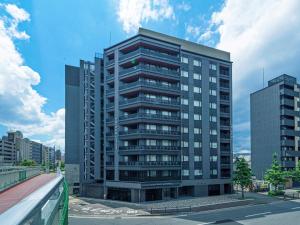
pixel 184 101
pixel 150 127
pixel 198 172
pixel 184 73
pixel 166 98
pixel 197 158
pixel 213 172
pixel 197 117
pixel 184 116
pixel 185 172
pixel 213 92
pixel 166 143
pixel 184 59
pixel 213 79
pixel 125 143
pixel 126 129
pixel 197 144
pixel 212 105
pixel 213 158
pixel 184 144
pixel 151 173
pixel 184 87
pixel 150 142
pixel 150 96
pixel 197 62
pixel 213 66
pixel 197 131
pixel 213 145
pixel 165 173
pixel 197 90
pixel 150 158
pixel 184 130
pixel 151 111
pixel 125 158
pixel 166 113
pixel 166 158
pixel 197 76
pixel 197 103
pixel 213 132
pixel 185 158
pixel 213 119
pixel 166 128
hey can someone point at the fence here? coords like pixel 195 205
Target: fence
pixel 10 176
pixel 292 195
pixel 46 206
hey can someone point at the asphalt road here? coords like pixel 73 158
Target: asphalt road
pixel 276 213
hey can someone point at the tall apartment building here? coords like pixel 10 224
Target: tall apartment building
pixel 167 119
pixel 36 151
pixel 275 126
pixel 84 126
pixel 7 152
pixel 48 156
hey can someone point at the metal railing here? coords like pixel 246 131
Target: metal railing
pixel 12 175
pixel 47 205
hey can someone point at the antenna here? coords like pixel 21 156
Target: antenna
pixel 263 73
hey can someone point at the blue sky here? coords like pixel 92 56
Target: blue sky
pixel 62 32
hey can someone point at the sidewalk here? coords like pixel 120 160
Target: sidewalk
pixel 13 195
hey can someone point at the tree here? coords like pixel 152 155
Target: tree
pixel 27 163
pixel 275 175
pixel 242 175
pixel 295 174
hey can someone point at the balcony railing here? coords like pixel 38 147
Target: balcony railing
pixel 149 52
pixel 147 147
pixel 152 163
pixel 149 116
pixel 145 131
pixel 149 100
pixel 150 84
pixel 149 68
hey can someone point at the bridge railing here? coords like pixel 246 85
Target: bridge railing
pixel 46 206
pixel 12 175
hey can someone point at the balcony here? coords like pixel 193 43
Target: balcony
pixel 147 52
pixel 110 62
pixel 136 133
pixel 224 99
pixel 149 164
pixel 145 84
pixel 288 102
pixel 288 92
pixel 144 100
pixel 291 153
pixel 288 143
pixel 287 122
pixel 149 148
pixel 148 116
pixel 290 132
pixel 288 163
pixel 290 112
pixel 150 70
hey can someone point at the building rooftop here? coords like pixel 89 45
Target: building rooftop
pixel 284 77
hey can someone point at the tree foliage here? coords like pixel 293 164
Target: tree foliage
pixel 242 175
pixel 275 176
pixel 27 163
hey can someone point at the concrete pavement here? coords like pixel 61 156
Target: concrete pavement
pixel 275 213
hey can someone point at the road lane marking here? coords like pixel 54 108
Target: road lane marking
pixel 296 207
pixel 258 214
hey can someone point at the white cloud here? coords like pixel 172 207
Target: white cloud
pixel 21 106
pixel 193 30
pixel 258 34
pixel 132 13
pixel 184 6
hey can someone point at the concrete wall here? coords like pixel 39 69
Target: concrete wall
pixel 265 128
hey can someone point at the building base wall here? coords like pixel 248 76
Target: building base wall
pixel 72 178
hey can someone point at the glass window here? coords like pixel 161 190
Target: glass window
pixel 213 145
pixel 197 117
pixel 185 158
pixel 150 142
pixel 213 66
pixel 197 144
pixel 212 105
pixel 184 115
pixel 184 87
pixel 197 62
pixel 184 73
pixel 213 132
pixel 184 59
pixel 197 90
pixel 166 113
pixel 185 172
pixel 197 130
pixel 213 172
pixel 166 143
pixel 197 103
pixel 197 76
pixel 213 118
pixel 184 101
pixel 197 158
pixel 213 92
pixel 166 128
pixel 151 127
pixel 213 79
pixel 184 144
pixel 125 143
pixel 198 172
pixel 184 130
